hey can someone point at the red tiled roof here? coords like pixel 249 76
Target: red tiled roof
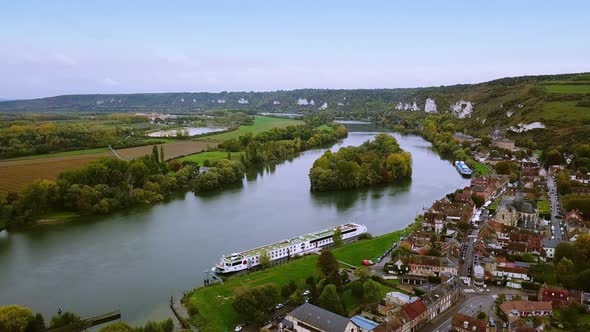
pixel 459 319
pixel 414 309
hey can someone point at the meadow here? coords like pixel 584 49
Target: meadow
pixel 564 88
pixel 566 113
pixel 261 123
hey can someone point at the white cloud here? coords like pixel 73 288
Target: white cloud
pixel 109 81
pixel 64 60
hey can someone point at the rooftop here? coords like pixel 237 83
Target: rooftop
pixel 319 318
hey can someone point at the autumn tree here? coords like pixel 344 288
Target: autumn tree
pixel 327 264
pixel 14 318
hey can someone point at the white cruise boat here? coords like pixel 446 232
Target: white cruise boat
pixel 282 251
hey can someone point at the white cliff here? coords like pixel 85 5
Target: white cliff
pixel 430 106
pixel 462 109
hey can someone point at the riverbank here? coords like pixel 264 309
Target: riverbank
pixel 211 307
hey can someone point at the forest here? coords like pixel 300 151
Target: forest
pixel 378 161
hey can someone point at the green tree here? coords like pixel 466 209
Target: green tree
pixel 582 248
pixel 564 250
pixel 330 300
pixel 37 324
pixel 327 264
pixel 117 327
pixel 162 159
pixel 503 167
pixel 64 319
pixel 14 318
pixel 296 298
pixel 362 273
pixel 371 291
pixel 553 158
pixel 265 260
pixel 482 315
pixel 155 156
pixel 337 237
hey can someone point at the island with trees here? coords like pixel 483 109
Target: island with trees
pixel 379 161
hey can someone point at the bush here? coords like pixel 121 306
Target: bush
pixel 530 285
pixel 434 279
pixel 365 236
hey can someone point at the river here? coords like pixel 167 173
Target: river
pixel 135 260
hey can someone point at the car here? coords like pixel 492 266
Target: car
pixel 306 292
pixel 279 306
pixel 238 328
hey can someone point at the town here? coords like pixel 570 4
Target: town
pixel 496 255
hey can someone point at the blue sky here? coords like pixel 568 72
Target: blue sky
pixel 64 47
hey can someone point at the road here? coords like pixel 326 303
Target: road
pixel 471 305
pixel 552 192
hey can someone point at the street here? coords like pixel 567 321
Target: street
pixel 552 192
pixel 470 305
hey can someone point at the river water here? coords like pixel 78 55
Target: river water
pixel 135 260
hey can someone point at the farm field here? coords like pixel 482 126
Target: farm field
pixel 261 123
pixel 565 113
pixel 15 174
pixel 564 88
pixel 200 158
pixel 171 150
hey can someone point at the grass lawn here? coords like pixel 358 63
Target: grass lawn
pixel 565 113
pixel 356 252
pixel 482 169
pixel 215 312
pixel 210 155
pixel 62 154
pixel 261 123
pixel 562 88
pixel 543 207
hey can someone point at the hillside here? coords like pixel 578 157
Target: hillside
pixel 560 103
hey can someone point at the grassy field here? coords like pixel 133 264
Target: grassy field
pixel 543 207
pixel 482 169
pixel 214 302
pixel 566 113
pixel 356 252
pixel 562 88
pixel 200 158
pixel 261 123
pixel 351 303
pixel 63 154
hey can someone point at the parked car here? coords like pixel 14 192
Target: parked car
pixel 238 328
pixel 279 306
pixel 306 292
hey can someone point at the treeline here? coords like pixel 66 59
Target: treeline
pixel 14 318
pixel 102 186
pixel 572 263
pixel 374 162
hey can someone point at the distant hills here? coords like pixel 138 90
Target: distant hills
pixel 521 103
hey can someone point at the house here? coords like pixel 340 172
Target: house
pixel 581 178
pixel 417 313
pixel 511 270
pixel 577 223
pixel 526 308
pixel 398 298
pixel 362 324
pixel 460 137
pixel 557 297
pixel 465 323
pixel 442 297
pixel 308 317
pixel 428 265
pixel 548 246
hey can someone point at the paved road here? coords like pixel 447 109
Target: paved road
pixel 554 207
pixel 471 305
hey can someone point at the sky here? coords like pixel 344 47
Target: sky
pixel 59 47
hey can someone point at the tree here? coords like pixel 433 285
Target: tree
pixel 503 167
pixel 371 291
pixel 330 300
pixel 327 264
pixel 64 319
pixel 337 237
pixel 478 200
pixel 362 273
pixel 155 156
pixel 582 248
pixel 564 250
pixel 553 158
pixel 482 315
pixel 265 260
pixel 296 298
pixel 14 318
pixel 37 324
pixel 162 159
pixel 564 268
pixel 117 327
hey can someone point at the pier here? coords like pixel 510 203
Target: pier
pixel 89 322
